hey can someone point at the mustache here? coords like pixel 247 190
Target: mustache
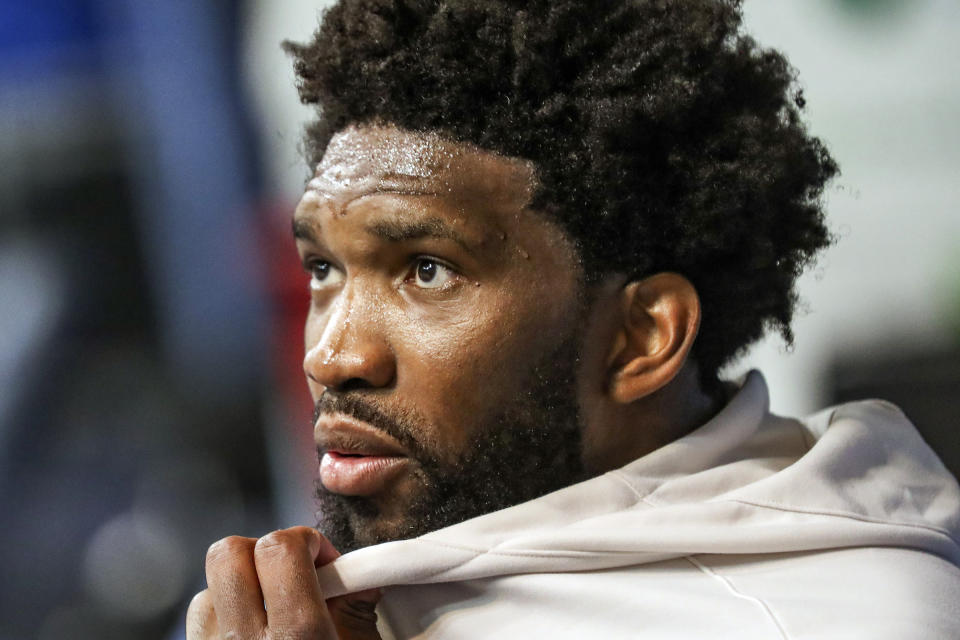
pixel 400 425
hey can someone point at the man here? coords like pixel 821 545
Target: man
pixel 535 232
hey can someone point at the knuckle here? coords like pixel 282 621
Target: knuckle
pixel 227 549
pixel 199 603
pixel 277 543
pixel 200 616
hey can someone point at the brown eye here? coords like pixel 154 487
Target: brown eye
pixel 320 270
pixel 431 274
pixel 426 270
pixel 323 274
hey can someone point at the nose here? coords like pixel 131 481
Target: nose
pixel 352 352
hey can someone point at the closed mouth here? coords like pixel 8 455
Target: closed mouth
pixel 356 459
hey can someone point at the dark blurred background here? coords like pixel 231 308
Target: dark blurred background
pixel 145 350
pixel 151 303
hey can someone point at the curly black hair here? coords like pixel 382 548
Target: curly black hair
pixel 664 138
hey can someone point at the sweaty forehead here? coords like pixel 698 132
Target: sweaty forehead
pixel 384 158
pixel 356 151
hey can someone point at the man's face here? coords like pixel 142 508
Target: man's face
pixel 443 337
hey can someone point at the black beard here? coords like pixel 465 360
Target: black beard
pixel 527 449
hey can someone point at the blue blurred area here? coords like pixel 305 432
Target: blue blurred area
pixel 33 28
pixel 45 38
pixel 135 313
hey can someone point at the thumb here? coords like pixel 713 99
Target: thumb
pixel 354 615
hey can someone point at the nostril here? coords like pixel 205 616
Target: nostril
pixel 353 384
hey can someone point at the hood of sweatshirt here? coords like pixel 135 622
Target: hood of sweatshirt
pixel 746 482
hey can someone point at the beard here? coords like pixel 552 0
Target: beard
pixel 524 449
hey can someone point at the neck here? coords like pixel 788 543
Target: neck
pixel 617 434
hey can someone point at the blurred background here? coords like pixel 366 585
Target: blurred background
pixel 151 304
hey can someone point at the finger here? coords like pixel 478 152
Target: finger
pixel 234 587
pixel 354 615
pixel 288 578
pixel 326 553
pixel 201 619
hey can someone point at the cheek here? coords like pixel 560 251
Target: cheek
pixel 462 368
pixel 449 354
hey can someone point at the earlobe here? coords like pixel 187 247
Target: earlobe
pixel 660 320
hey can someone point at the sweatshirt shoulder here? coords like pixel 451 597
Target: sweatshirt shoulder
pixel 876 593
pixel 869 413
pixel 876 434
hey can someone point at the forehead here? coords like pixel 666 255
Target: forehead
pixel 357 150
pixel 418 185
pixel 364 160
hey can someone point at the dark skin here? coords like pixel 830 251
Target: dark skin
pixel 432 280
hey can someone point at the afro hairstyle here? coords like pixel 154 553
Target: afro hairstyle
pixel 664 138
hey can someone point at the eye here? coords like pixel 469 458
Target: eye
pixel 431 274
pixel 323 274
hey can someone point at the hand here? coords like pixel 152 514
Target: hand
pixel 267 589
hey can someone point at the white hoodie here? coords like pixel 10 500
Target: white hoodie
pixel 843 525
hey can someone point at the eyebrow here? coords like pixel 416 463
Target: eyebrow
pixel 403 230
pixel 303 230
pixel 393 231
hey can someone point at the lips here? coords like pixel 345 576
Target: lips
pixel 359 475
pixel 357 459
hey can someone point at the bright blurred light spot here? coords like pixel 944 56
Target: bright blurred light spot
pixel 135 566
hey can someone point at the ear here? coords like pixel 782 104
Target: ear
pixel 661 317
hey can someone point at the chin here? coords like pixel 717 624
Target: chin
pixel 354 522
